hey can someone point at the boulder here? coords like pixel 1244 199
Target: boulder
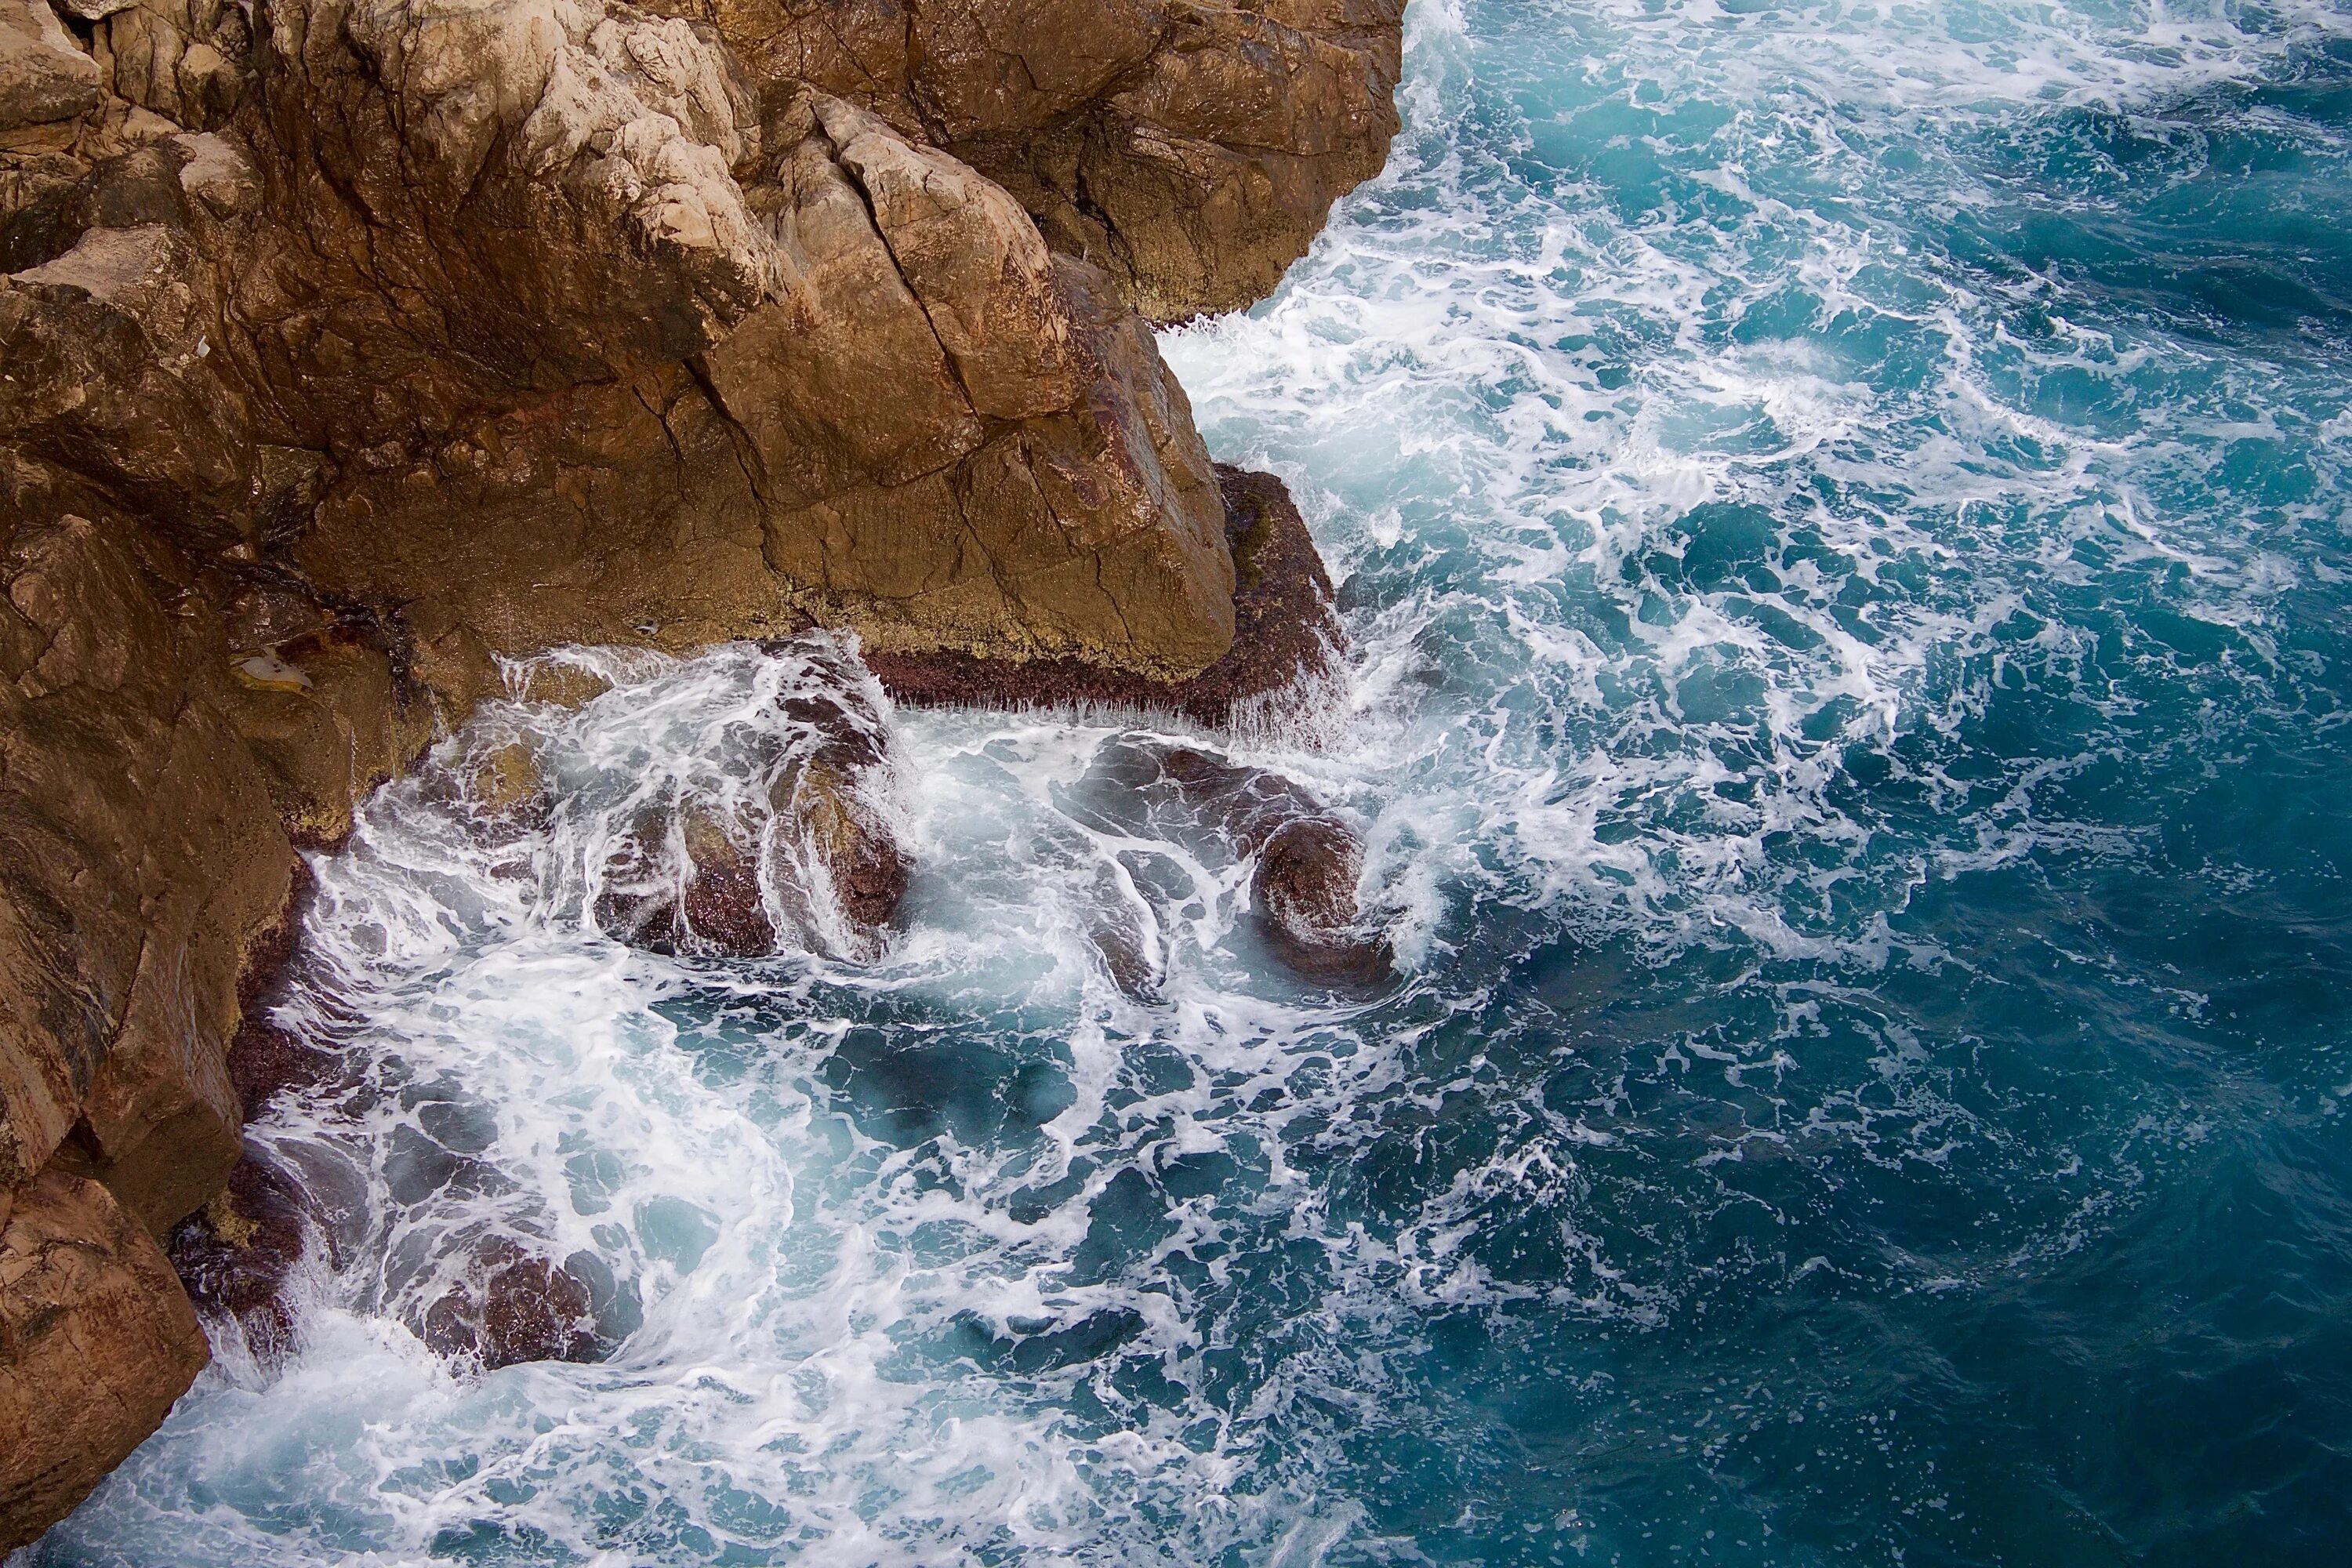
pixel 834 792
pixel 1305 892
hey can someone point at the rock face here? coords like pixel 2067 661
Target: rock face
pixel 348 345
pixel 1191 150
pixel 1287 637
pixel 96 1337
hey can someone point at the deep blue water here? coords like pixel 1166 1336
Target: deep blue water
pixel 1842 510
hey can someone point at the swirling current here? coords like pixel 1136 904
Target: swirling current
pixel 1843 512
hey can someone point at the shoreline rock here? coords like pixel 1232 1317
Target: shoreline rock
pixel 1287 637
pixel 347 346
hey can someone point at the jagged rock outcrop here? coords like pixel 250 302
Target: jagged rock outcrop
pixel 1192 150
pixel 348 345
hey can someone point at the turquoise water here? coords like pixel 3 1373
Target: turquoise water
pixel 1843 512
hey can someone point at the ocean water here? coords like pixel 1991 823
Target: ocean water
pixel 1843 512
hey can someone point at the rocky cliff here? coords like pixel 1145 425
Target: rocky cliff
pixel 348 346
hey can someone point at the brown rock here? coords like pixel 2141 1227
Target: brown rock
pixel 142 863
pixel 831 792
pixel 687 878
pixel 266 1059
pixel 517 1307
pixel 721 904
pixel 504 783
pixel 866 870
pixel 1287 637
pixel 1192 151
pixel 329 719
pixel 185 60
pixel 44 77
pixel 107 347
pixel 1309 858
pixel 98 1341
pixel 1305 890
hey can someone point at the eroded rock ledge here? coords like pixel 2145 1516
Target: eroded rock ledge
pixel 347 346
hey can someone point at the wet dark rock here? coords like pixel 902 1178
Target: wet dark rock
pixel 1310 859
pixel 861 855
pixel 517 1307
pixel 829 791
pixel 237 1253
pixel 266 1060
pixel 699 894
pixel 1125 935
pixel 466 1127
pixel 504 787
pixel 1305 891
pixel 723 907
pixel 692 879
pixel 1287 637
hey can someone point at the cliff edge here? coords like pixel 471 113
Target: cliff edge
pixel 349 346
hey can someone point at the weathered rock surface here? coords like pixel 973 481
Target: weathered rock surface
pixel 98 1340
pixel 346 345
pixel 1288 639
pixel 44 78
pixel 1192 150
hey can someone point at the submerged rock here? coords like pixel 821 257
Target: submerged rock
pixel 1124 932
pixel 1308 859
pixel 1305 892
pixel 515 1306
pixel 811 842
